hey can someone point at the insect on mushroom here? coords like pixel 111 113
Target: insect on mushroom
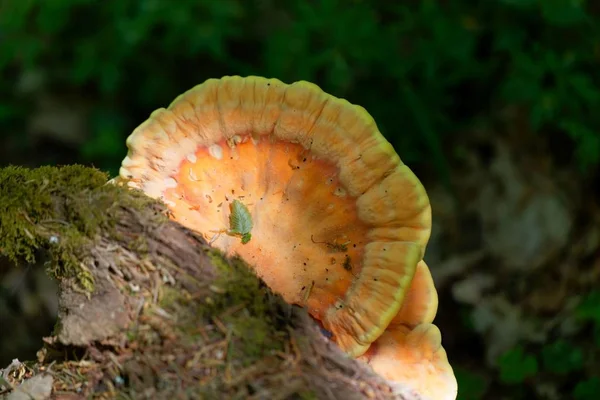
pixel 239 132
pixel 236 132
pixel 240 222
pixel 333 246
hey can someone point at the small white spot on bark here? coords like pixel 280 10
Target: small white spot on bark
pixel 215 151
pixel 191 158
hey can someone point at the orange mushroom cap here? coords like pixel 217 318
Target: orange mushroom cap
pixel 414 358
pixel 421 299
pixel 339 222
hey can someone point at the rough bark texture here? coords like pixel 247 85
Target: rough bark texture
pixel 168 318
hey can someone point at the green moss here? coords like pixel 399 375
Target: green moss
pixel 139 244
pixel 256 338
pixel 308 395
pixel 58 209
pixel 255 325
pixel 170 296
pixel 240 301
pixel 237 284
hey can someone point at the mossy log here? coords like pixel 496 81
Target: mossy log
pixel 149 310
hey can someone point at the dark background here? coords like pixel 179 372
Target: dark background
pixel 494 104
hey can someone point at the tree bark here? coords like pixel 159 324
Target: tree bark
pixel 168 317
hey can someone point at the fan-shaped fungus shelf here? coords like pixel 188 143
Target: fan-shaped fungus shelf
pixel 415 358
pixel 301 185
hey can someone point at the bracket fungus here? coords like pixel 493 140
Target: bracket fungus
pixel 415 358
pixel 338 224
pixel 410 350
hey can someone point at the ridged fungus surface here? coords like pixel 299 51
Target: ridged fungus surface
pixel 332 219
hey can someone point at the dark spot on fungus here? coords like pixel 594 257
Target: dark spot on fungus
pixel 347 265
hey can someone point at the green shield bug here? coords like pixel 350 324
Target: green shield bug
pixel 240 221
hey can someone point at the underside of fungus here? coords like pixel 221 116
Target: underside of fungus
pixel 324 209
pixel 410 350
pixel 415 358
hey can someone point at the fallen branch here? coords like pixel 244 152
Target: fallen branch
pixel 149 310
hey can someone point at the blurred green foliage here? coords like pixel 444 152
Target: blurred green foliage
pixel 516 366
pixel 561 357
pixel 568 364
pixel 520 371
pixel 588 389
pixel 425 69
pixel 588 310
pixel 471 385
